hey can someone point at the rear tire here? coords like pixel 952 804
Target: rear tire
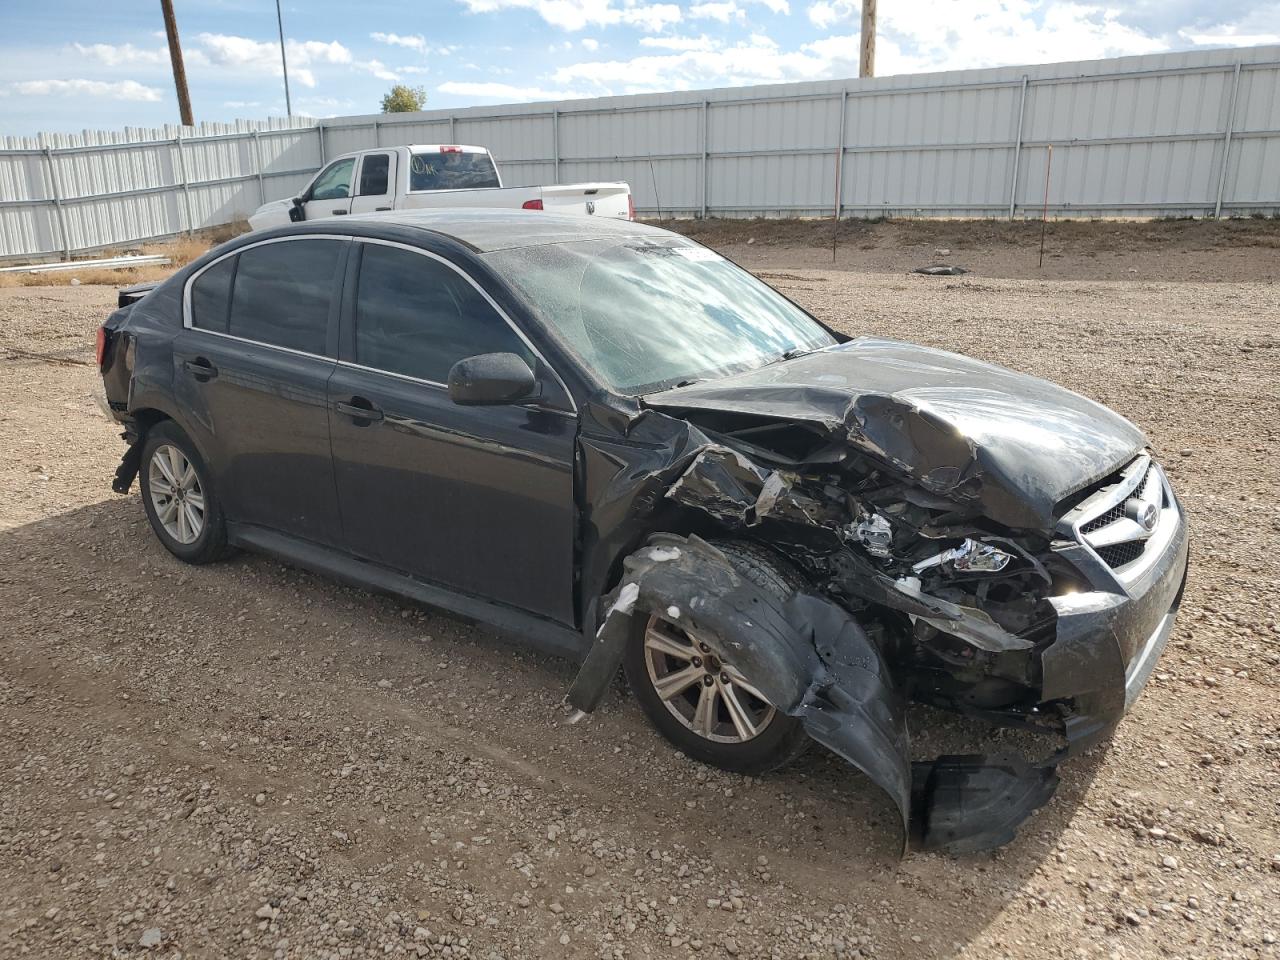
pixel 179 498
pixel 662 654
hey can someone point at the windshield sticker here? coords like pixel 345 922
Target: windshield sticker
pixel 697 254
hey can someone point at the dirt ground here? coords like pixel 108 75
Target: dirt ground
pixel 245 760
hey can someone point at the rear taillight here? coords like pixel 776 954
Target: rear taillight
pixel 100 348
pixel 631 207
pixel 532 205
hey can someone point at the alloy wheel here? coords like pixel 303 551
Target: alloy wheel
pixel 176 494
pixel 706 694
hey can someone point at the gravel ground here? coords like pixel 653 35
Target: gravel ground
pixel 246 760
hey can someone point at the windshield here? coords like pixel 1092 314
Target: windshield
pixel 451 171
pixel 650 313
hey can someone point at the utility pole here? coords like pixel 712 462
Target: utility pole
pixel 867 59
pixel 175 57
pixel 284 64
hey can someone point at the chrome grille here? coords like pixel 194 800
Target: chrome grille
pixel 1121 554
pixel 1110 520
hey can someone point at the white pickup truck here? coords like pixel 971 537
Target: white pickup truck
pixel 430 177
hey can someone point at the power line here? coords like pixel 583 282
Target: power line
pixel 284 63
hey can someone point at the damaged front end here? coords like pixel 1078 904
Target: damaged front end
pixel 1012 555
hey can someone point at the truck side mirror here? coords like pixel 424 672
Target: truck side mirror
pixel 297 213
pixel 492 379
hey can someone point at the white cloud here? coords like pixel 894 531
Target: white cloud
pixel 723 10
pixel 118 90
pixel 263 57
pixel 506 92
pixel 414 41
pixel 579 14
pixel 776 6
pixel 591 44
pixel 679 43
pixel 1227 37
pixel 125 54
pixel 923 34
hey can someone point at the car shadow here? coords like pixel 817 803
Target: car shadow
pixel 818 819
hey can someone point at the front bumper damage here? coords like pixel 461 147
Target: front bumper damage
pixel 813 661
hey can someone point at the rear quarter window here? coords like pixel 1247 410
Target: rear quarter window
pixel 282 294
pixel 211 296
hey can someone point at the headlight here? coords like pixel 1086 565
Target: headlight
pixel 971 556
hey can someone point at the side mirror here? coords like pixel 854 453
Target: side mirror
pixel 297 213
pixel 492 379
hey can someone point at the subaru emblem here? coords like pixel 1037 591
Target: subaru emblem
pixel 1142 513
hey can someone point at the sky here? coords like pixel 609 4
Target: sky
pixel 68 65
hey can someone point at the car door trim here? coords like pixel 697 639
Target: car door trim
pixel 573 411
pixel 186 294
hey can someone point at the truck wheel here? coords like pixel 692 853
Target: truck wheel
pixel 178 498
pixel 703 704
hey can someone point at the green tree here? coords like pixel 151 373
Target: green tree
pixel 404 99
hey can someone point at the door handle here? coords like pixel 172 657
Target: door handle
pixel 379 209
pixel 200 368
pixel 338 213
pixel 359 409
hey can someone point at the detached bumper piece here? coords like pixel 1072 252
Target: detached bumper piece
pixel 813 661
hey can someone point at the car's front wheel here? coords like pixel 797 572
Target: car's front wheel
pixel 703 703
pixel 178 497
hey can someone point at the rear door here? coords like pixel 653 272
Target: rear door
pixel 479 499
pixel 375 183
pixel 330 193
pixel 251 368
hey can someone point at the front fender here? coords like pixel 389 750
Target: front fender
pixel 812 660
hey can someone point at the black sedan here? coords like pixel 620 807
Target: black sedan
pixel 612 442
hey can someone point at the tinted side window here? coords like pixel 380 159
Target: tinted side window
pixel 417 317
pixel 211 296
pixel 373 175
pixel 335 182
pixel 282 293
pixel 451 171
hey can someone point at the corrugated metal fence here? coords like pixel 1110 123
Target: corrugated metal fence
pixel 1188 134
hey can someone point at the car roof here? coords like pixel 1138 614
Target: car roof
pixel 485 231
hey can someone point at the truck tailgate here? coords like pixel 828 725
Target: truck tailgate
pixel 579 199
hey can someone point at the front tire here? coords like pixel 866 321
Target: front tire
pixel 178 497
pixel 703 705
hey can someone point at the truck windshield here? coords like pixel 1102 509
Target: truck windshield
pixel 649 313
pixel 451 171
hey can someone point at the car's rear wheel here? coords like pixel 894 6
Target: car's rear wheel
pixel 178 498
pixel 703 703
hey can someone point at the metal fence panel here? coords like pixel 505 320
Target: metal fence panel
pixel 1194 133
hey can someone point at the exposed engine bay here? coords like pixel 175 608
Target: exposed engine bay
pixel 957 564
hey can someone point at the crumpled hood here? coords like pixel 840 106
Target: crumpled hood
pixel 973 431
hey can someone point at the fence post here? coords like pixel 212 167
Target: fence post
pixel 453 137
pixel 320 128
pixel 706 133
pixel 844 111
pixel 186 187
pixel 1226 142
pixel 61 216
pixel 377 138
pixel 1017 148
pixel 257 161
pixel 555 142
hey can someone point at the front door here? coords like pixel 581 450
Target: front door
pixel 251 369
pixel 330 194
pixel 479 499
